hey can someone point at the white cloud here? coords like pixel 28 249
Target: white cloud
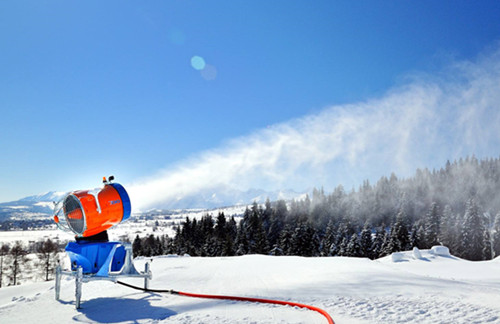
pixel 423 123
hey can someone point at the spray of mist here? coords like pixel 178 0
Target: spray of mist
pixel 430 119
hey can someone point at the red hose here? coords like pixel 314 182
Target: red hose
pixel 248 299
pixel 260 300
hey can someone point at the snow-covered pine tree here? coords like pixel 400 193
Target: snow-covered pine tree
pixel 392 242
pixel 456 235
pixel 353 247
pixel 328 239
pixel 415 236
pixel 241 240
pixel 343 247
pixel 399 233
pixel 285 240
pixel 473 232
pixel 387 247
pixel 277 222
pixel 378 242
pixel 366 241
pixel 487 249
pixel 496 236
pixel 446 227
pixel 299 240
pixel 431 226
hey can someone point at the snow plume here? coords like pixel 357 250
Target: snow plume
pixel 423 123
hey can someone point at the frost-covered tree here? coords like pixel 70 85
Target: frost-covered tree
pixel 328 239
pixel 285 240
pixel 241 240
pixel 446 227
pixel 353 247
pixel 496 236
pixel 277 222
pixel 431 226
pixel 366 242
pixel 473 232
pixel 415 236
pixel 399 233
pixel 487 249
pixel 378 242
pixel 388 246
pixel 304 240
pixel 343 247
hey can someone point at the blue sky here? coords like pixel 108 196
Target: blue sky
pixel 94 88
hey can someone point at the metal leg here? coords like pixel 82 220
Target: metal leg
pixel 146 279
pixel 58 281
pixel 78 288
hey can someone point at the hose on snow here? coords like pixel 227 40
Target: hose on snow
pixel 235 298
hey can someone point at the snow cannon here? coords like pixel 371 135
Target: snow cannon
pixel 87 213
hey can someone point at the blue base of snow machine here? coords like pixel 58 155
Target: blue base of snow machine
pixel 99 258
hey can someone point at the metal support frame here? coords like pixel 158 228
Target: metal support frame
pixel 128 271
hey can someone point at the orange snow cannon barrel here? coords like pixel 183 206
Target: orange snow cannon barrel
pixel 90 212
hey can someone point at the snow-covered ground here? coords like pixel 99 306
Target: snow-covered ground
pixel 432 289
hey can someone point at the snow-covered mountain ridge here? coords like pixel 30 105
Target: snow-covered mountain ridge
pixel 41 206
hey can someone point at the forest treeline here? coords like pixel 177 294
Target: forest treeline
pixel 457 206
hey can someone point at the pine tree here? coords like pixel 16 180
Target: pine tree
pixel 353 247
pixel 456 235
pixel 277 222
pixel 473 232
pixel 328 240
pixel 378 242
pixel 137 247
pixel 496 236
pixel 343 247
pixel 267 215
pixel 487 249
pixel 366 242
pixel 242 244
pixel 285 240
pixel 399 234
pixel 391 243
pixel 220 227
pixel 446 227
pixel 432 222
pixel 414 236
pixel 299 240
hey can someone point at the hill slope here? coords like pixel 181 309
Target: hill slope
pixel 433 289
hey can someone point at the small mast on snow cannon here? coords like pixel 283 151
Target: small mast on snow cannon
pixel 89 214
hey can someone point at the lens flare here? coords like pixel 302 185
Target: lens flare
pixel 198 63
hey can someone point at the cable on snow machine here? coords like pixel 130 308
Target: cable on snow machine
pixel 89 214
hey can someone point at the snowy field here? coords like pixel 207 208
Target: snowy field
pixel 431 289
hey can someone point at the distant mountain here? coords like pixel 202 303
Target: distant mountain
pixel 41 206
pixel 37 206
pixel 214 198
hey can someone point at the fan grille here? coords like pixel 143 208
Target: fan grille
pixel 74 214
